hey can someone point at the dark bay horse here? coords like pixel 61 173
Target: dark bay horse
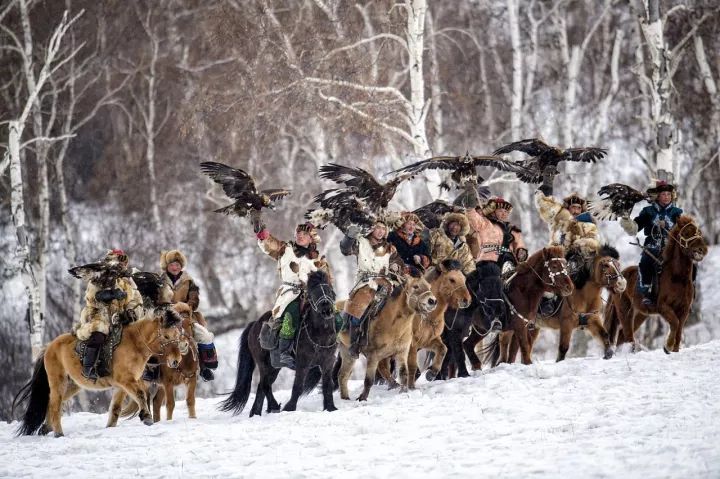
pixel 685 246
pixel 315 347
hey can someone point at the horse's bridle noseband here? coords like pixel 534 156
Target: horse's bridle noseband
pixel 327 295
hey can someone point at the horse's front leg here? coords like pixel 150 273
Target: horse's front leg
pixel 674 322
pixel 115 407
pixel 385 373
pixel 169 400
pixel 372 364
pixel 300 373
pixel 597 329
pixel 136 390
pixel 346 367
pixel 327 384
pixel 412 367
pixel 469 346
pixel 521 333
pixel 566 331
pixel 401 362
pixel 440 350
pixel 190 401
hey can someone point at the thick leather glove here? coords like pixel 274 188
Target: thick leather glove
pixel 629 226
pixel 521 254
pixel 108 295
pixel 262 235
pixel 129 317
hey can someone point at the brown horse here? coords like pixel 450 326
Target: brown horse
pixel 389 334
pixel 58 376
pixel 545 270
pixel 447 283
pixel 162 391
pixel 583 308
pixel 684 246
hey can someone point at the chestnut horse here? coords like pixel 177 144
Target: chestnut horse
pixel 389 335
pixel 58 377
pixel 545 270
pixel 583 308
pixel 685 246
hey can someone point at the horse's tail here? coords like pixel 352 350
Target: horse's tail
pixel 38 392
pixel 611 322
pixel 491 352
pixel 245 367
pixel 336 373
pixel 312 378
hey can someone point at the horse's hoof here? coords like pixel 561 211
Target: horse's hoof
pixel 404 389
pixel 59 434
pixel 393 385
pixel 148 421
pixel 475 367
pixel 288 409
pixel 44 430
pixel 430 375
pixel 331 408
pixel 608 354
pixel 362 398
pixel 667 351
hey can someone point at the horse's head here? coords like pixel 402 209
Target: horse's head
pixel 688 236
pixel 606 270
pixel 169 341
pixel 186 313
pixel 321 297
pixel 448 284
pixel 419 295
pixel 551 266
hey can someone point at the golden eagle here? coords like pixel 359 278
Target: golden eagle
pixel 342 208
pixel 101 273
pixel 545 158
pixel 362 185
pixel 432 214
pixel 617 200
pixel 240 186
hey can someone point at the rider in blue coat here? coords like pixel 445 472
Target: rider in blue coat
pixel 656 221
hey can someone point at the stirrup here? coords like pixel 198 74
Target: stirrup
pixel 495 326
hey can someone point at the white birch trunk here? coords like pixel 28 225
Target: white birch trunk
pixel 517 71
pixel 150 134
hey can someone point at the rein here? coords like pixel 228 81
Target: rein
pixel 163 344
pixel 327 295
pixel 683 241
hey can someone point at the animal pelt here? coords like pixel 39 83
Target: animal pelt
pixel 581 236
pixel 458 218
pixel 167 257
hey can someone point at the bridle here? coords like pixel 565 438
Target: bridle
pixel 683 241
pixel 611 278
pixel 551 274
pixel 326 296
pixel 163 343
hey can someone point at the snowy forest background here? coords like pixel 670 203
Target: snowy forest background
pixel 112 105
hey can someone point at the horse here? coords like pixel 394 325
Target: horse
pixel 389 335
pixel 315 345
pixel 685 247
pixel 584 307
pixel 162 391
pixel 544 271
pixel 57 374
pixel 447 284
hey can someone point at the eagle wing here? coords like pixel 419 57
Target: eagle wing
pixel 434 163
pixel 276 194
pixel 616 200
pixel 235 182
pixel 531 147
pixel 588 155
pixel 89 272
pixel 352 177
pixel 432 213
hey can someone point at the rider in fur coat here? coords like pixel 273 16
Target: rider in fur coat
pixel 409 242
pixel 448 242
pixel 100 312
pixel 295 260
pixel 376 258
pixel 185 290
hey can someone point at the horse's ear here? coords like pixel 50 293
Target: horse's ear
pixel 433 273
pixel 171 318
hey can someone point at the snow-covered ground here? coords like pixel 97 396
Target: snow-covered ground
pixel 644 415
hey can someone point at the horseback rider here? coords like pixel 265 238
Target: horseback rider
pixel 572 227
pixel 449 242
pixel 376 259
pixel 296 259
pixel 185 290
pixel 409 242
pixel 103 308
pixel 496 244
pixel 656 221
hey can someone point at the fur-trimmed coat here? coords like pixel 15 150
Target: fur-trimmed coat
pixel 294 263
pixel 442 247
pixel 407 248
pixel 97 316
pixel 565 230
pixel 486 237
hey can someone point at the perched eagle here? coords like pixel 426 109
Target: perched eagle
pixel 432 214
pixel 544 156
pixel 363 185
pixel 617 200
pixel 463 167
pixel 102 273
pixel 240 186
pixel 342 208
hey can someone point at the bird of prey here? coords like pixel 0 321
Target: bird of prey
pixel 432 214
pixel 101 273
pixel 363 185
pixel 617 200
pixel 240 186
pixel 342 208
pixel 545 158
pixel 464 167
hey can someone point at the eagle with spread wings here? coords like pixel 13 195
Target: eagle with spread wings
pixel 101 273
pixel 240 186
pixel 616 201
pixel 362 185
pixel 545 158
pixel 464 168
pixel 341 208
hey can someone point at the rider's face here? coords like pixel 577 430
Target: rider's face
pixel 379 232
pixel 409 227
pixel 454 228
pixel 174 267
pixel 502 214
pixel 664 198
pixel 575 210
pixel 302 238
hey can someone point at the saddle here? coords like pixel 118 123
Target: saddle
pixel 103 366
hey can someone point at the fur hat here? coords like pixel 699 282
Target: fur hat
pixel 310 229
pixel 458 218
pixel 409 216
pixel 575 199
pixel 494 203
pixel 658 186
pixel 167 257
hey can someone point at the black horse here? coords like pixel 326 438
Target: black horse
pixel 487 305
pixel 315 345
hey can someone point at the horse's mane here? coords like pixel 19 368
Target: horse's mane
pixel 607 250
pixel 434 272
pixel 148 284
pixel 451 265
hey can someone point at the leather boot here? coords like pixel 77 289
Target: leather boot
pixel 88 363
pixel 281 357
